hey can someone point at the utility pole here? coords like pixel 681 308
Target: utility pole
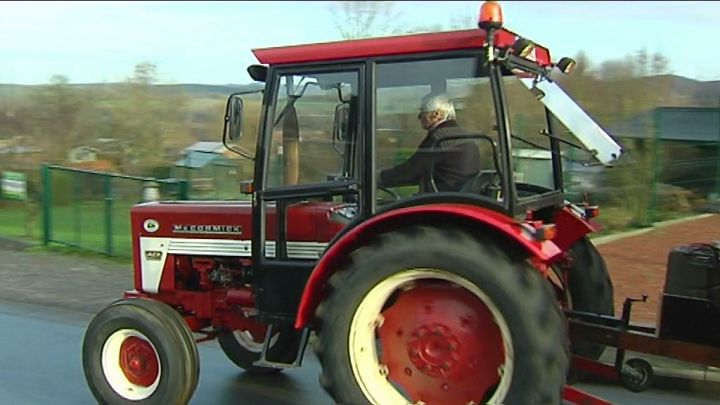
pixel 716 201
pixel 657 132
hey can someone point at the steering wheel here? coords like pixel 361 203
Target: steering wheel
pixel 393 194
pixel 483 183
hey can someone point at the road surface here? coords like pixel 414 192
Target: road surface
pixel 41 364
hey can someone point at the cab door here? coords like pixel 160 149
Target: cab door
pixel 308 178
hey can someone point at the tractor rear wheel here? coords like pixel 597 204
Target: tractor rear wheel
pixel 589 290
pixel 435 316
pixel 140 351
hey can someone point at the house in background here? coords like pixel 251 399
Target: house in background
pixel 203 154
pixel 209 170
pixel 88 158
pixel 82 154
pixel 684 143
pixel 671 155
pixel 680 124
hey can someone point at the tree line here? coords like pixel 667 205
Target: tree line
pixel 135 123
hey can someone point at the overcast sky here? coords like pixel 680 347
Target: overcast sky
pixel 211 42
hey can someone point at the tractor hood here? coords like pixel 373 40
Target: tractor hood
pixel 309 221
pixel 575 119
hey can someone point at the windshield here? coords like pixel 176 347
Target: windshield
pixel 421 101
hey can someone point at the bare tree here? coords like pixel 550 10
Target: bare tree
pixel 54 118
pixel 463 22
pixel 641 61
pixel 362 19
pixel 144 120
pixel 660 64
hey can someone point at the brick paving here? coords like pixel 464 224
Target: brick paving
pixel 637 264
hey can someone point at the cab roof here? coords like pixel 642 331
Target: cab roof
pixel 390 46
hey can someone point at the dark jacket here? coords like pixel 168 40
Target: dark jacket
pixel 455 161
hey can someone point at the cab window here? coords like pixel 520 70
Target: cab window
pixel 310 125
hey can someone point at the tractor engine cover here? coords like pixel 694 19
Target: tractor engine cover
pixel 690 308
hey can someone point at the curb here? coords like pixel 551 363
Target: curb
pixel 15 244
pixel 617 236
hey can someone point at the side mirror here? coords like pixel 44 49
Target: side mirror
pixel 258 72
pixel 234 118
pixel 233 128
pixel 340 122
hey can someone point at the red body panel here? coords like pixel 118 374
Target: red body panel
pixel 544 251
pixel 571 227
pixel 302 219
pixel 388 46
pixel 215 307
pixel 207 303
pixel 307 222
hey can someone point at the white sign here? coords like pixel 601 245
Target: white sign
pixel 14 185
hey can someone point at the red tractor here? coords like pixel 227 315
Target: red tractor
pixel 446 297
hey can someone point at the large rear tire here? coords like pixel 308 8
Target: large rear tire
pixel 440 317
pixel 140 351
pixel 590 290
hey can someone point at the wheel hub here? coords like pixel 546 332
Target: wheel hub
pixel 433 349
pixel 138 361
pixel 441 344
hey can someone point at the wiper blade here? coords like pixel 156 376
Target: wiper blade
pixel 566 142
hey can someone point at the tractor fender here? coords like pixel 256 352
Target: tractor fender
pixel 543 251
pixel 571 226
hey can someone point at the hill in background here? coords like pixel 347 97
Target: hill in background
pixel 191 89
pixel 700 93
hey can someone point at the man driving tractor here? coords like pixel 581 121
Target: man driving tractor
pixel 452 161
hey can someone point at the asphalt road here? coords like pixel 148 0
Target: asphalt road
pixel 41 358
pixel 41 364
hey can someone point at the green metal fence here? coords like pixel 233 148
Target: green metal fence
pixel 91 210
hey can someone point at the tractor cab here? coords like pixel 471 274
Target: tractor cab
pixel 334 115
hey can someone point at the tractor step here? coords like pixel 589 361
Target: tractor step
pixel 264 362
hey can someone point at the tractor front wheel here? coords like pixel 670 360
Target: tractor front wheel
pixel 140 351
pixel 440 317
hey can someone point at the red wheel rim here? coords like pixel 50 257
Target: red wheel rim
pixel 138 361
pixel 441 344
